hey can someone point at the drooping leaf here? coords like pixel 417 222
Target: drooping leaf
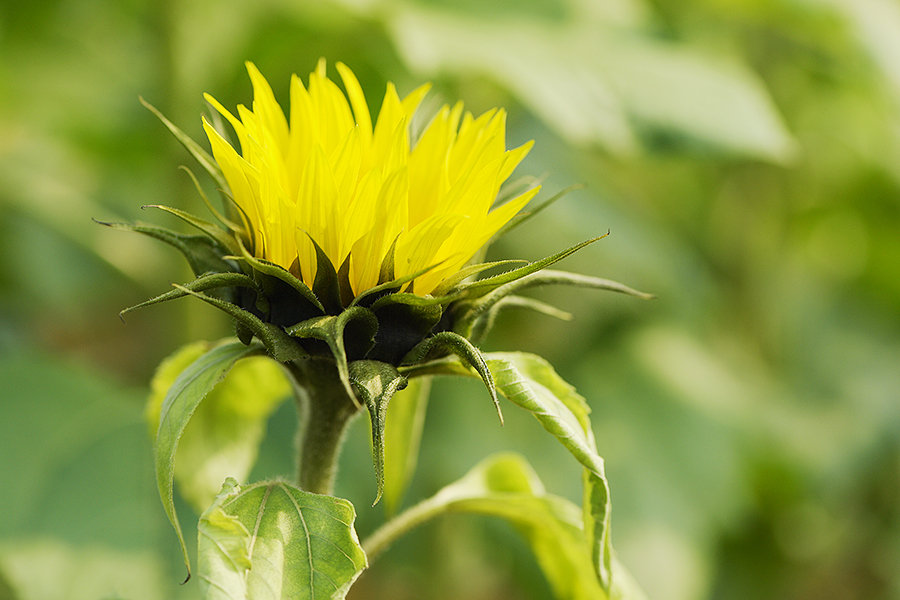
pixel 273 541
pixel 223 435
pixel 448 341
pixel 375 383
pixel 505 486
pixel 530 382
pixel 402 435
pixel 188 390
pixel 331 330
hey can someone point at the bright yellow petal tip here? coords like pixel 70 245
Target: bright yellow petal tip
pixel 359 188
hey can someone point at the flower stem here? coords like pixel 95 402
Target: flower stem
pixel 325 411
pixel 387 534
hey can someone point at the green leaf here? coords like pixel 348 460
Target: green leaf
pixel 448 341
pixel 274 541
pixel 223 435
pixel 202 156
pixel 402 435
pixel 331 330
pixel 530 382
pixel 505 486
pixel 375 383
pixel 184 396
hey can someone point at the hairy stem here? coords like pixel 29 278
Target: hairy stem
pixel 325 411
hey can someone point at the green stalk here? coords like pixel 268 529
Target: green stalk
pixel 409 519
pixel 325 410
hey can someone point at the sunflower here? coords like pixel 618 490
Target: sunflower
pixel 327 175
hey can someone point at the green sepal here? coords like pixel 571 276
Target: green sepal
pixel 326 285
pixel 382 290
pixel 271 269
pixel 482 325
pixel 200 155
pixel 447 342
pixel 386 272
pixel 404 321
pixel 231 225
pixel 279 344
pixel 447 285
pixel 345 289
pixel 524 216
pixel 209 281
pixel 468 313
pixel 209 229
pixel 477 289
pixel 202 253
pixel 331 330
pixel 535 306
pixel 375 383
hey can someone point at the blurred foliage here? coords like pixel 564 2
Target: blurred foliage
pixel 745 155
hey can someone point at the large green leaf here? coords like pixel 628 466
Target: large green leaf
pixel 223 436
pixel 505 486
pixel 184 396
pixel 402 435
pixel 270 541
pixel 530 382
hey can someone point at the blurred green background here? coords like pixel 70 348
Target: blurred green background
pixel 745 155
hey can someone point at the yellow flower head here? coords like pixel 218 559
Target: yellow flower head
pixel 326 173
